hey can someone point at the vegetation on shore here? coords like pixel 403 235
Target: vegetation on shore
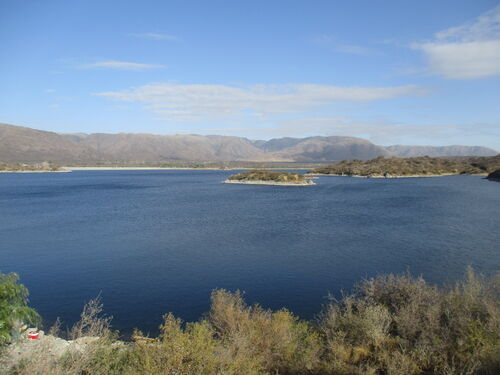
pixel 270 176
pixel 419 166
pixel 21 167
pixel 391 324
pixel 13 306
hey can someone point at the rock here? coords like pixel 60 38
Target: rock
pixel 47 347
pixel 494 176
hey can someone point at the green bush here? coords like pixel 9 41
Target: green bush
pixel 14 309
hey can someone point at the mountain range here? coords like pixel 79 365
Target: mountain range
pixel 25 145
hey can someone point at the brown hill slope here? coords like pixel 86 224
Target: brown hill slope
pixel 156 148
pixel 331 149
pixel 25 145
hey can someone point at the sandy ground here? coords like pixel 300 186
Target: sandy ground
pixel 47 348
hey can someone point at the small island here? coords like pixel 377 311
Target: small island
pixel 265 177
pixel 410 167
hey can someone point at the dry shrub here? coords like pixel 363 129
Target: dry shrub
pixel 401 325
pixel 257 341
pixel 184 351
pixel 470 326
pixel 354 332
pixel 91 322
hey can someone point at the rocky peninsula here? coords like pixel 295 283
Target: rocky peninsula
pixel 265 177
pixel 410 167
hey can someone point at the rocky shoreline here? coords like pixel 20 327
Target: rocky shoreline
pixel 494 176
pixel 46 347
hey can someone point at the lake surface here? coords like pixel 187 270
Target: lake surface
pixel 160 241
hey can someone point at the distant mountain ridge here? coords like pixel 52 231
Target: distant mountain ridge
pixel 436 151
pixel 25 145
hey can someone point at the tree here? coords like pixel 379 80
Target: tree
pixel 14 307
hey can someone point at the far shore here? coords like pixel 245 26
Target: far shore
pixel 34 171
pixel 70 169
pixel 173 168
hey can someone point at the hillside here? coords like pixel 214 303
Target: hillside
pixel 401 167
pixel 153 148
pixel 326 149
pixel 25 145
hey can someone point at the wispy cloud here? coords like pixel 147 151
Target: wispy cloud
pixel 121 65
pixel 336 45
pixel 198 102
pixel 157 36
pixel 50 91
pixel 468 51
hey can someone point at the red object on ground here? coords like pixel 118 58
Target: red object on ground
pixel 33 335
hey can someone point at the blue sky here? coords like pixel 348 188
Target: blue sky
pixel 393 72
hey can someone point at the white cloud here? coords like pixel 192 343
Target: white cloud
pixel 157 36
pixel 197 101
pixel 468 51
pixel 50 91
pixel 464 60
pixel 122 65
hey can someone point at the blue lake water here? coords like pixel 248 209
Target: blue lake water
pixel 157 241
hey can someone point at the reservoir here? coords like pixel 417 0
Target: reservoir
pixel 156 241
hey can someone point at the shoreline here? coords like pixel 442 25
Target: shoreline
pixel 171 168
pixel 59 171
pixel 270 183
